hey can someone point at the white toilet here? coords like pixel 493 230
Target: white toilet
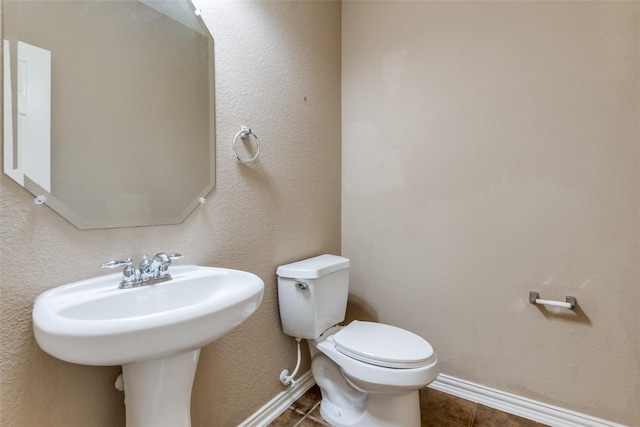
pixel 369 373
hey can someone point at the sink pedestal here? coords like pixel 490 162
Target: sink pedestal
pixel 157 393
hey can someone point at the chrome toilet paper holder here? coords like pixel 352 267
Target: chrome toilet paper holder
pixel 569 302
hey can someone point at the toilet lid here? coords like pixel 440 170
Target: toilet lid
pixel 383 345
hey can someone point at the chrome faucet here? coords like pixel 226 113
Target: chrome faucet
pixel 147 273
pixel 159 265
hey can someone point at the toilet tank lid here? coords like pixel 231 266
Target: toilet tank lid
pixel 313 268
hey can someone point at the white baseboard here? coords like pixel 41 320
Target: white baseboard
pixel 272 409
pixel 517 405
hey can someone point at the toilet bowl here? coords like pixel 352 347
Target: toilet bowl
pixel 369 373
pixel 361 387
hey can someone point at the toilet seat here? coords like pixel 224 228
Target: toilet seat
pixel 383 345
pixel 371 378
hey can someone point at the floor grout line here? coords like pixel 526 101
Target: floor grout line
pixel 473 414
pixel 446 420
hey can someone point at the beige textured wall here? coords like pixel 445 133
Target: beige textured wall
pixel 490 149
pixel 277 71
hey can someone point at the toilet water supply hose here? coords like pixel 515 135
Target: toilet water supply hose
pixel 287 379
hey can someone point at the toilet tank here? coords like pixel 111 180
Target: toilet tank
pixel 312 295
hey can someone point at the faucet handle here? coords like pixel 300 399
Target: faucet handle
pixel 113 264
pixel 175 256
pixel 128 274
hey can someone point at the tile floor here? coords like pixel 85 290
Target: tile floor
pixel 437 409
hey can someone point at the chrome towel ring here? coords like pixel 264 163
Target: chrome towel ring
pixel 244 134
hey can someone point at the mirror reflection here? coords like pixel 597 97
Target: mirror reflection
pixel 109 108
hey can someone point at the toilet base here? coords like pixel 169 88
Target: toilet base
pixel 345 406
pixel 381 411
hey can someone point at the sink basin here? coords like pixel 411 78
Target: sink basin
pixel 93 322
pixel 154 331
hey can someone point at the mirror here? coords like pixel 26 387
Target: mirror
pixel 109 108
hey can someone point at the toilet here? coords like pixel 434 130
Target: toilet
pixel 369 373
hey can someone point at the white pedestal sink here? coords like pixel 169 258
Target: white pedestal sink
pixel 155 332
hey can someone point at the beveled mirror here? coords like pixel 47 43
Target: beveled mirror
pixel 109 108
